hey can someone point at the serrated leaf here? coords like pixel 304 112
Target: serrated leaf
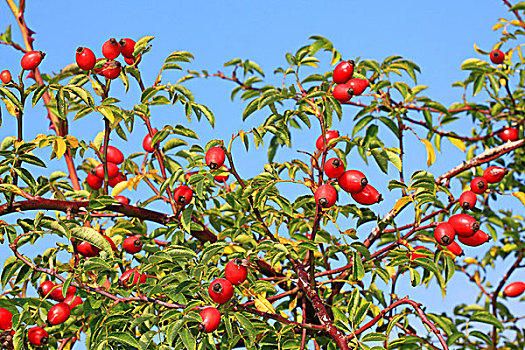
pixel 123 338
pixel 92 236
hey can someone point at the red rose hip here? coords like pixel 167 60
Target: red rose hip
pixel 330 135
pixel 368 196
pixel 117 179
pixel 224 174
pixel 467 200
pixel 132 244
pixel 114 155
pixel 113 170
pixel 343 72
pixel 211 319
pixel 475 240
pixel 509 134
pixel 146 143
pixel 45 288
pixel 111 69
pixel 111 49
pixel 127 46
pixel 220 290
pixel 215 157
pixel 464 224
pixel 236 272
pixel 122 199
pixel 334 168
pixel 32 59
pixel 131 277
pixel 85 58
pixel 5 76
pixel 6 319
pixel 94 181
pixel 514 289
pixel 37 336
pixel 342 92
pixel 73 301
pixel 183 195
pixel 325 196
pixel 352 181
pixel 455 249
pixel 58 314
pixel 478 185
pixel 444 233
pixel 494 174
pixel 358 86
pixel 497 56
pixel 87 250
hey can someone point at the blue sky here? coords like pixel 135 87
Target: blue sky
pixel 438 36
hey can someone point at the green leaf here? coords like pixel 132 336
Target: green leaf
pixel 486 317
pixel 188 339
pixel 249 330
pixel 123 338
pixel 92 236
pixel 358 270
pixel 518 6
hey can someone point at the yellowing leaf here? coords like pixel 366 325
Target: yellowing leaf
pixel 431 155
pixel 10 188
pixel 292 304
pixel 401 203
pixel 497 26
pixel 262 304
pixel 121 186
pixel 59 147
pixel 458 143
pixel 520 196
pixel 10 107
pixel 72 140
pixel 106 112
pixel 391 270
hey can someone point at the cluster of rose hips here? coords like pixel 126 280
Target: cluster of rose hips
pixel 464 226
pixel 95 177
pixel 111 49
pixel 347 87
pixel 351 181
pixel 57 314
pixel 221 291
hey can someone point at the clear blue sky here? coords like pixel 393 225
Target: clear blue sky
pixel 438 36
